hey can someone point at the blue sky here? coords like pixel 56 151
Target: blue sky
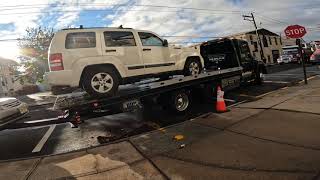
pixel 212 18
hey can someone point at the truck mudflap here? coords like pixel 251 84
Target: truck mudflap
pixel 132 93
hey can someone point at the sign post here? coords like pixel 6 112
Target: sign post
pixel 297 32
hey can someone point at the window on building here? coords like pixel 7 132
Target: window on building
pixel 119 38
pixel 270 40
pixel 276 40
pixel 2 81
pixel 80 40
pixel 265 41
pixel 149 39
pixel 255 44
pixel 251 39
pixel 269 58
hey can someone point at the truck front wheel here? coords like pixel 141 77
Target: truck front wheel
pixel 102 81
pixel 258 77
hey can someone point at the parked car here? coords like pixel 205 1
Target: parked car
pixel 100 59
pixel 11 110
pixel 285 59
pixel 291 53
pixel 315 57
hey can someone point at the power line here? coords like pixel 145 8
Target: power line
pixel 200 37
pixel 110 10
pixel 270 19
pixel 92 5
pixel 195 37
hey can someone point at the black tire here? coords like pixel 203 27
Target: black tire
pixel 257 77
pixel 90 73
pixel 187 68
pixel 179 102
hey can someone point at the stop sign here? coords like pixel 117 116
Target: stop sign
pixel 295 31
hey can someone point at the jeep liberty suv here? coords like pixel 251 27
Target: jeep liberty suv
pixel 100 59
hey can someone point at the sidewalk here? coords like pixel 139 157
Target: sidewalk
pixel 276 137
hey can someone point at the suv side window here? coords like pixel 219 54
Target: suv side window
pixel 119 38
pixel 149 39
pixel 80 40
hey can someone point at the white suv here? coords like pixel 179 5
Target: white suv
pixel 100 59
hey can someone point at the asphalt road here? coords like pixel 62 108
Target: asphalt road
pixel 62 138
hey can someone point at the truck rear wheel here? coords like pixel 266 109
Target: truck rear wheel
pixel 180 102
pixel 102 81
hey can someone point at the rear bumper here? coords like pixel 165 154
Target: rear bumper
pixel 316 60
pixel 61 78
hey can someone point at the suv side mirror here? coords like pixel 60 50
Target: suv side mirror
pixel 165 43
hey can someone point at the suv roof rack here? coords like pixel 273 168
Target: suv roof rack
pixel 81 27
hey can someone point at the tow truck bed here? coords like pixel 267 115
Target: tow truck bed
pixel 82 101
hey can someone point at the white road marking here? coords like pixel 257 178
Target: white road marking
pixel 278 82
pixel 235 104
pixel 44 139
pixel 41 120
pixel 282 75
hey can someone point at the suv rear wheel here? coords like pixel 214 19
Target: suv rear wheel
pixel 102 81
pixel 192 67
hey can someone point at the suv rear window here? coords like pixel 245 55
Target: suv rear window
pixel 80 40
pixel 119 38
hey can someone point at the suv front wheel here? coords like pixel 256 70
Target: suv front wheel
pixel 192 67
pixel 102 81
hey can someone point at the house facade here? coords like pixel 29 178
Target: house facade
pixel 271 42
pixel 7 77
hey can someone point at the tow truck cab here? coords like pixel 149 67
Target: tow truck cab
pixel 229 53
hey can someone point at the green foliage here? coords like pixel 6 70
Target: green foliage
pixel 34 52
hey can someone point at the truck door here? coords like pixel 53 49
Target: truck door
pixel 155 55
pixel 121 48
pixel 246 59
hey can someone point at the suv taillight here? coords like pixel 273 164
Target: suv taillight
pixel 55 62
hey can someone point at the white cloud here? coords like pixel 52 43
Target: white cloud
pixel 217 22
pixel 162 20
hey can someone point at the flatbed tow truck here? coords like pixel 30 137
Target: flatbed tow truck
pixel 173 94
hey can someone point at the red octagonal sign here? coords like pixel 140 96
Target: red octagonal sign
pixel 295 31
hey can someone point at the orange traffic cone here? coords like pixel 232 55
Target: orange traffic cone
pixel 221 105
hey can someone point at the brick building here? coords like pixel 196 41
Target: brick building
pixel 272 44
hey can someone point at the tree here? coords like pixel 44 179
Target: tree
pixel 34 52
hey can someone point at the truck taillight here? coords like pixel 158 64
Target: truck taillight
pixel 55 62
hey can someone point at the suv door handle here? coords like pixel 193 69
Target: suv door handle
pixel 146 49
pixel 111 50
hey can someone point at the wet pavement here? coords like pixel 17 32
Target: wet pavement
pixel 263 139
pixel 55 139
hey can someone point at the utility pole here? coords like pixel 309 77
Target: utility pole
pixel 252 19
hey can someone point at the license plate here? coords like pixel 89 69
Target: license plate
pixel 23 109
pixel 230 83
